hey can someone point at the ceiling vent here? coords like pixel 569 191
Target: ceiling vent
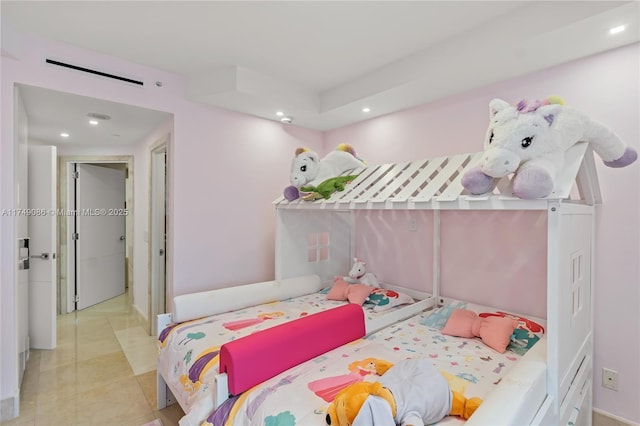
pixel 90 71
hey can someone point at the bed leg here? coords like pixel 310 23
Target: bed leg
pixel 164 395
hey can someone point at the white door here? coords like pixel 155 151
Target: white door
pixel 100 228
pixel 43 243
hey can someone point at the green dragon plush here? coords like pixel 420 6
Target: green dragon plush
pixel 326 188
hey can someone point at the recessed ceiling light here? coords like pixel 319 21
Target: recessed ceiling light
pixel 279 113
pixel 93 122
pixel 366 109
pixel 64 134
pixel 287 120
pixel 616 30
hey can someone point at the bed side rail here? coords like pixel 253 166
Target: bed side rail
pixel 520 394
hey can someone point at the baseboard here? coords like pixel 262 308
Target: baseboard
pixel 9 408
pixel 619 419
pixel 142 318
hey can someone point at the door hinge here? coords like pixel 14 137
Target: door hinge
pixel 75 175
pixel 75 236
pixel 76 299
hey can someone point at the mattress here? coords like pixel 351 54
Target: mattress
pixel 301 395
pixel 188 352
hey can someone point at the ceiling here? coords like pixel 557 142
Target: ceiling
pixel 320 62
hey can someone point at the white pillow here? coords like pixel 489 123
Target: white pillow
pixel 386 299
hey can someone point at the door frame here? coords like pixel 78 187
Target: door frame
pixel 43 286
pixel 157 289
pixel 65 258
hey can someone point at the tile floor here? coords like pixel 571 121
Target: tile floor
pixel 101 373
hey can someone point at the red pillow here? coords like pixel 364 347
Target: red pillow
pixel 495 332
pixel 354 293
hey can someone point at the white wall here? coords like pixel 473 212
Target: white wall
pixel 606 86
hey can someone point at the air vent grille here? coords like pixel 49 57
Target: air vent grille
pixel 95 72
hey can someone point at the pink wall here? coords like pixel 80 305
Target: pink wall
pixel 226 170
pixel 606 86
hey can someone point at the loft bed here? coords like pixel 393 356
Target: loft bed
pixel 551 384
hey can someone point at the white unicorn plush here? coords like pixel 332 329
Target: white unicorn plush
pixel 308 170
pixel 530 140
pixel 359 274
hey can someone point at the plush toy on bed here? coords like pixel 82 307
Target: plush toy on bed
pixel 359 274
pixel 411 392
pixel 530 140
pixel 319 178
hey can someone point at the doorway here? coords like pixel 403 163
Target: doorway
pixel 98 234
pixel 72 292
pixel 158 230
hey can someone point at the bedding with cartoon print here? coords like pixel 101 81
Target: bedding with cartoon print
pixel 301 395
pixel 188 352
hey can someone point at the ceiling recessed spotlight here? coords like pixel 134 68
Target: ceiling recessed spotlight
pixel 616 30
pixel 93 122
pixel 279 113
pixel 64 135
pixel 366 109
pixel 286 120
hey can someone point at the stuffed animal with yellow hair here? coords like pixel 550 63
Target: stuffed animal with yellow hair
pixel 321 177
pixel 411 392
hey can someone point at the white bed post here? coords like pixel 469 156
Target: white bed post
pixel 436 256
pixel 553 314
pixel 164 397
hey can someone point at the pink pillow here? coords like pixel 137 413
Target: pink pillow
pixel 354 293
pixel 495 332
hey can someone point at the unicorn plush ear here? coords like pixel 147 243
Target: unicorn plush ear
pixel 301 150
pixel 497 105
pixel 549 113
pixel 311 155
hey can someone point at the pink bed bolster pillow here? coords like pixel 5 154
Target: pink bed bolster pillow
pixel 253 359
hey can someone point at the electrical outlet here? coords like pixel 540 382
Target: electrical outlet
pixel 610 379
pixel 412 225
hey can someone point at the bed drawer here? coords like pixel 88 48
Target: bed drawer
pixel 576 409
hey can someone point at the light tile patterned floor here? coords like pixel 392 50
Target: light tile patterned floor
pixel 101 373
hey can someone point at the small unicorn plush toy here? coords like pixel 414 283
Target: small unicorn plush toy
pixel 530 140
pixel 359 274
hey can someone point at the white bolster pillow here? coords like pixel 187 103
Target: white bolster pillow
pixel 206 303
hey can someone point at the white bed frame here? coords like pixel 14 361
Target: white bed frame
pixel 551 384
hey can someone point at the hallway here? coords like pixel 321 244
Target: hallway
pixel 101 373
